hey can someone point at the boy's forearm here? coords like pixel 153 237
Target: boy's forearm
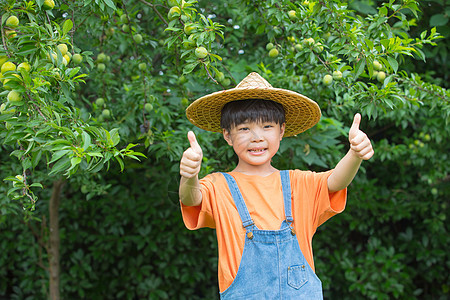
pixel 189 191
pixel 344 172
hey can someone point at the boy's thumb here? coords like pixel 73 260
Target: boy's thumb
pixel 193 141
pixel 356 122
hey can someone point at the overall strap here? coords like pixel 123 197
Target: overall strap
pixel 286 187
pixel 239 201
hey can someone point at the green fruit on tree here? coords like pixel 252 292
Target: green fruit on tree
pixel 25 66
pixel 110 31
pixel 220 76
pixel 182 79
pixel 172 2
pixel 3 59
pixel 148 107
pixel 66 58
pixel 269 46
pixel 309 41
pixel 327 79
pixel 14 96
pixel 142 66
pixel 337 75
pixel 226 82
pixel 12 22
pixel 188 29
pixel 184 101
pixel 298 47
pixel 318 48
pixel 273 52
pixel 201 52
pixel 374 74
pixel 137 38
pixel 292 15
pixel 52 55
pixel 63 48
pixel 10 34
pixel 189 43
pixel 174 13
pixel 3 110
pixel 106 113
pixel 77 58
pixel 101 57
pixel 101 67
pixel 124 18
pixel 381 76
pixel 48 4
pixel 100 101
pixel 377 65
pixel 125 28
pixel 84 189
pixel 8 66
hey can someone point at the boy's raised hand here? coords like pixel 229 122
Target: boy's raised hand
pixel 192 158
pixel 359 142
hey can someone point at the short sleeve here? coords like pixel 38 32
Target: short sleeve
pixel 195 217
pixel 312 187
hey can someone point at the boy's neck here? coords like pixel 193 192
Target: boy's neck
pixel 255 170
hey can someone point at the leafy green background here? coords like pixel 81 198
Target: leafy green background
pixel 121 231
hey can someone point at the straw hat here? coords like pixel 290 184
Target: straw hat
pixel 301 112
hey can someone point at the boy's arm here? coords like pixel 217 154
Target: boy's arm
pixel 346 169
pixel 190 164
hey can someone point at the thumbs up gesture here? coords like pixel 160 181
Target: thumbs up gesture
pixel 359 142
pixel 192 158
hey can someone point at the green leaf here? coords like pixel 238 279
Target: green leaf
pixel 393 63
pixel 120 163
pixel 359 68
pixel 110 4
pixel 190 67
pixel 67 26
pixel 115 137
pixel 36 158
pixel 438 20
pixel 86 140
pixel 36 184
pixel 58 154
pixel 60 165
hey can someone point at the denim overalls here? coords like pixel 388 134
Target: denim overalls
pixel 272 264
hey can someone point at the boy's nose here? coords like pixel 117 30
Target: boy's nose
pixel 257 136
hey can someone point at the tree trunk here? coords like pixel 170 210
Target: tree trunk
pixel 53 253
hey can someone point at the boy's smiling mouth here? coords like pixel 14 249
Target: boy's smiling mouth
pixel 257 150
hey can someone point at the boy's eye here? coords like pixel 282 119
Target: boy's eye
pixel 268 126
pixel 244 128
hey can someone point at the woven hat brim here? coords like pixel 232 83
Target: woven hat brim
pixel 301 112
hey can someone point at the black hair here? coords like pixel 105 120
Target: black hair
pixel 251 110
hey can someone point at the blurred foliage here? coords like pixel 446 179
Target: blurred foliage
pixel 122 236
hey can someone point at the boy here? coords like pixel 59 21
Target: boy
pixel 258 258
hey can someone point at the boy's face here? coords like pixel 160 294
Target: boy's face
pixel 255 143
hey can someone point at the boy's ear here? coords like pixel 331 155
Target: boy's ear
pixel 282 129
pixel 226 136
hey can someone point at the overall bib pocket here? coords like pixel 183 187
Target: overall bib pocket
pixel 297 276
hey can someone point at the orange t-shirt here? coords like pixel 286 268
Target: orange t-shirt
pixel 312 205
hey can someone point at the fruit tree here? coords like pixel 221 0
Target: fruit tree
pixel 92 127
